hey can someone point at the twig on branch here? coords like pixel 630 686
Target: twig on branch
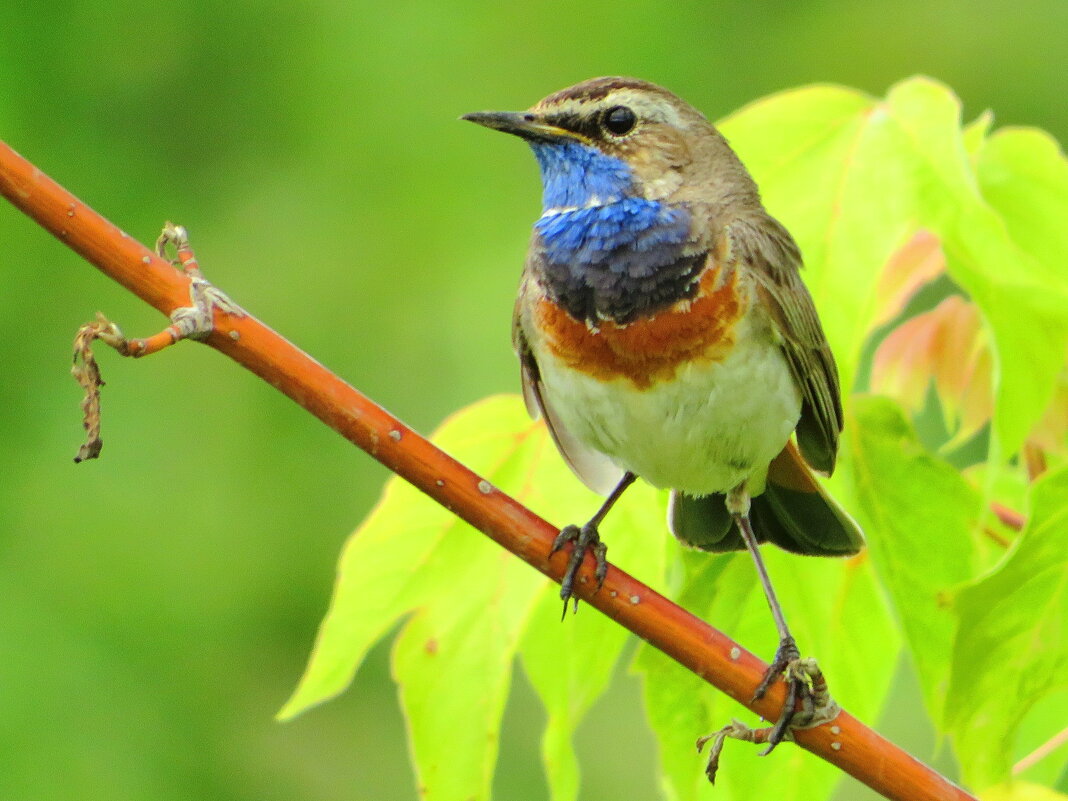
pixel 195 321
pixel 87 373
pixel 847 743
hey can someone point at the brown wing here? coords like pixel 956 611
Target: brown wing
pixel 767 247
pixel 592 467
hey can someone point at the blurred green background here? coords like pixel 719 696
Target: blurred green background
pixel 157 606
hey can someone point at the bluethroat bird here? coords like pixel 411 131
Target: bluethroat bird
pixel 664 332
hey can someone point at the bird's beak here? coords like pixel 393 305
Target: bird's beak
pixel 525 124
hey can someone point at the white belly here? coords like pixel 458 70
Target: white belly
pixel 714 426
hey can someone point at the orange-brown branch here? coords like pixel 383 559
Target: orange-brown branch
pixel 847 743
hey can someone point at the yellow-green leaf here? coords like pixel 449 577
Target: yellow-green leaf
pixel 918 513
pixel 1012 646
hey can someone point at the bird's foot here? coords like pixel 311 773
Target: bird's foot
pixel 807 685
pixel 583 539
pixel 735 730
pixel 787 656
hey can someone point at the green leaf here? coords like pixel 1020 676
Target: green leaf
pixel 1023 175
pixel 406 552
pixel 570 664
pixel 859 177
pixel 976 131
pixel 1009 282
pixel 453 662
pixel 840 186
pixel 677 701
pixel 473 608
pixel 1012 645
pixel 453 659
pixel 918 513
pixel 1040 753
pixel 1021 791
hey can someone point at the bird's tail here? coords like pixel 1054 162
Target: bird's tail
pixel 794 512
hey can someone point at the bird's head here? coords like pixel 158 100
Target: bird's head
pixel 609 138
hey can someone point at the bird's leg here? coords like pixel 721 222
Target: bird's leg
pixel 787 661
pixel 804 680
pixel 584 539
pixel 738 506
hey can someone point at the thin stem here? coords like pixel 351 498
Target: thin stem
pixel 1040 753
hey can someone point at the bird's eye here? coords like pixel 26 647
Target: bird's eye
pixel 619 120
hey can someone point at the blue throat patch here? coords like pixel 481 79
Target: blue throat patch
pixel 631 236
pixel 608 254
pixel 573 173
pixel 624 232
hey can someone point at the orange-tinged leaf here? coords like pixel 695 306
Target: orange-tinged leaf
pixel 903 363
pixel 976 399
pixel 919 261
pixel 949 346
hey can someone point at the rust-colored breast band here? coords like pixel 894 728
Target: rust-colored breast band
pixel 650 349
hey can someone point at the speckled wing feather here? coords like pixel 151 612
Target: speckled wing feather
pixel 770 251
pixel 592 467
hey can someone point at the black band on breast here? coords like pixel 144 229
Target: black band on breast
pixel 634 285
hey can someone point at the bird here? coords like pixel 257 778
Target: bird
pixel 664 332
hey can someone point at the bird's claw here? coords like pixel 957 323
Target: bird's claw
pixel 785 664
pixel 735 730
pixel 786 654
pixel 583 539
pixel 817 705
pixel 807 685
